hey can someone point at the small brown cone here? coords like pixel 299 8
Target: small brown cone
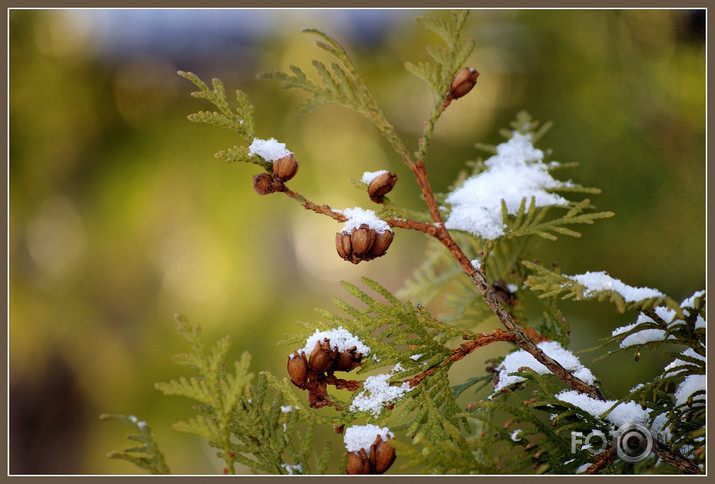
pixel 358 462
pixel 382 242
pixel 463 82
pixel 362 239
pixel 382 455
pixel 297 369
pixel 381 185
pixel 263 183
pixel 348 360
pixel 322 356
pixel 285 168
pixel 343 245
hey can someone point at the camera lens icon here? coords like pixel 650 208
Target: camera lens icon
pixel 634 442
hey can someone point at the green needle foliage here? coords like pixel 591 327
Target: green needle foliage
pixel 145 456
pixel 519 414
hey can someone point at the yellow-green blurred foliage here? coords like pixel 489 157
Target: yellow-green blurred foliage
pixel 120 216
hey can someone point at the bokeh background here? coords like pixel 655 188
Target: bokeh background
pixel 120 216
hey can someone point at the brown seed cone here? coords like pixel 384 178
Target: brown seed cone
pixel 382 455
pixel 297 369
pixel 322 356
pixel 263 183
pixel 343 245
pixel 358 462
pixel 380 185
pixel 362 239
pixel 285 168
pixel 463 82
pixel 348 360
pixel 382 242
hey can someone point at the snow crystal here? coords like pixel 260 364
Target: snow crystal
pixel 291 469
pixel 369 176
pixel 514 173
pixel 513 361
pixel 363 436
pixel 583 467
pixel 625 412
pixel 476 263
pixel 340 337
pixel 270 150
pixel 377 392
pixel 515 435
pixel 416 356
pixel 287 408
pixel 358 216
pixel 690 385
pixel 140 423
pixel 601 281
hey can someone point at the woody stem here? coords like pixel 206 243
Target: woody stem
pixel 479 278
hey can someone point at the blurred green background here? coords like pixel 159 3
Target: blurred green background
pixel 120 216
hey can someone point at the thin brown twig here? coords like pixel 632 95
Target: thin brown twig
pixel 465 349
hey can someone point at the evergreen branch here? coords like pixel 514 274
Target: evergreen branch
pixel 240 121
pixel 439 75
pixel 530 221
pixel 147 456
pixel 341 84
pixel 552 284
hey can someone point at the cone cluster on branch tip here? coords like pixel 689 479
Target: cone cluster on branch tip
pixel 362 243
pixel 315 372
pixel 380 458
pixel 283 170
pixel 380 186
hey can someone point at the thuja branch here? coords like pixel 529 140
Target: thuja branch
pixel 478 276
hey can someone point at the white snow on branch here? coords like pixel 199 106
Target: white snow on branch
pixel 270 150
pixel 513 361
pixel 369 176
pixel 667 315
pixel 623 413
pixel 690 385
pixel 640 337
pixel 679 363
pixel 378 392
pixel 363 436
pixel 601 281
pixel 515 173
pixel 358 216
pixel 340 338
